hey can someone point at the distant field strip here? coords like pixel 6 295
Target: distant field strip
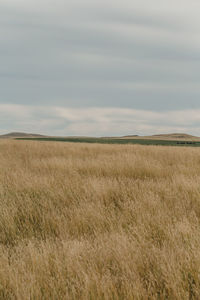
pixel 118 141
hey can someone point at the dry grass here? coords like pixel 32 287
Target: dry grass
pixel 91 222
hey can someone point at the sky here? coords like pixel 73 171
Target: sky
pixel 100 68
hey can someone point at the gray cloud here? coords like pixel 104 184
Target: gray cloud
pixel 84 54
pixel 96 121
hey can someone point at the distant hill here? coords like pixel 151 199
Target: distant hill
pixel 177 136
pixel 20 135
pixel 169 136
pixel 130 135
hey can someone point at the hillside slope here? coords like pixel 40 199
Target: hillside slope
pixel 20 135
pixel 169 136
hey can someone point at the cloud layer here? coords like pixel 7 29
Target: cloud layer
pixel 96 121
pixel 126 56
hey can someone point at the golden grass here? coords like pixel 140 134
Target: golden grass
pixel 91 222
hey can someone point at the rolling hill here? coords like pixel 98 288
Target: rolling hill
pixel 21 135
pixel 169 136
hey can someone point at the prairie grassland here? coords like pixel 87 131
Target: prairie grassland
pixel 81 221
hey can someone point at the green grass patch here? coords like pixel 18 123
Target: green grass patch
pixel 117 141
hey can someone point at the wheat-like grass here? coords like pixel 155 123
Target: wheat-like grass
pixel 82 221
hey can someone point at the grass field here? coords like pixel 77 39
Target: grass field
pixel 137 141
pixel 91 221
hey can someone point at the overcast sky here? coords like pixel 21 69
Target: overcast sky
pixel 91 67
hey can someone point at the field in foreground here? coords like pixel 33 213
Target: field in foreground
pixel 82 221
